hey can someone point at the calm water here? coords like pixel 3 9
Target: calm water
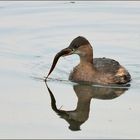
pixel 31 33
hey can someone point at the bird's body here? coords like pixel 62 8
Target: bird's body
pixel 102 70
pixel 95 70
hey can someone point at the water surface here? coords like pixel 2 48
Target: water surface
pixel 31 33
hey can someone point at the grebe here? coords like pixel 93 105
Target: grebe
pixel 97 70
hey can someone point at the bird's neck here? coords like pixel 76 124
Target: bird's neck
pixel 87 57
pixel 86 54
pixel 86 60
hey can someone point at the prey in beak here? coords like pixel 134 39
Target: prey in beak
pixel 64 52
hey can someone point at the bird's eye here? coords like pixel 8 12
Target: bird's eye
pixel 73 49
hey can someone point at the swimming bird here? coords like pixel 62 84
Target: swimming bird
pixel 95 70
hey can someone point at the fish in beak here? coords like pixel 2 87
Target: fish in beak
pixel 64 52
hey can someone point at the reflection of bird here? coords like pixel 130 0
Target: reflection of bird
pixel 103 93
pixel 78 116
pixel 97 70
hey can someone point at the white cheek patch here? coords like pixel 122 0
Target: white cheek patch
pixel 79 52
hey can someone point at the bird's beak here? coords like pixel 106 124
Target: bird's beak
pixel 64 52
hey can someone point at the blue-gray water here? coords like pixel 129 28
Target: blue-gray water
pixel 31 33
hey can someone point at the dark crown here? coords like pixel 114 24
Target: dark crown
pixel 78 41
